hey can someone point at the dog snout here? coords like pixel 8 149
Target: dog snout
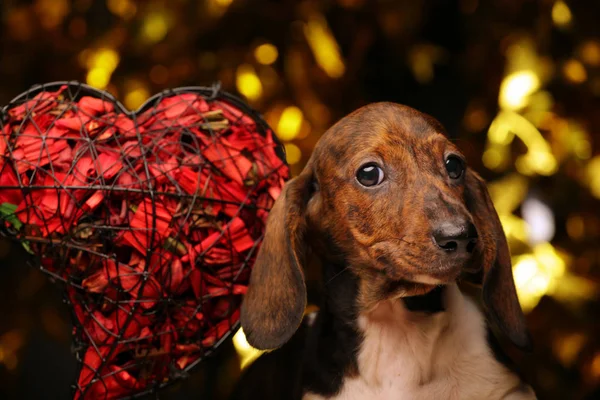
pixel 455 237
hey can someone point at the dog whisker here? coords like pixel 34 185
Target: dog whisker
pixel 336 275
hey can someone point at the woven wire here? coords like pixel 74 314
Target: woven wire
pixel 150 220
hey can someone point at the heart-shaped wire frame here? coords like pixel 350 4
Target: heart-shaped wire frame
pixel 75 91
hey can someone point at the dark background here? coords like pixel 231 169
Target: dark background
pixel 447 58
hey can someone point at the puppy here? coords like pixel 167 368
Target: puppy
pixel 390 212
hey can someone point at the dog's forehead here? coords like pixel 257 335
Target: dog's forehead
pixel 376 125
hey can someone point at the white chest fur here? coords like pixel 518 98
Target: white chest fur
pixel 406 355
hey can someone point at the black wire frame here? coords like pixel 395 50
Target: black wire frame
pixel 76 90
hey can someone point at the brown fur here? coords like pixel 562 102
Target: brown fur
pixel 382 234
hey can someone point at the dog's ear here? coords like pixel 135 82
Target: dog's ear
pixel 499 293
pixel 274 305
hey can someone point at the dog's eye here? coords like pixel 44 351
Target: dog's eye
pixel 455 167
pixel 369 175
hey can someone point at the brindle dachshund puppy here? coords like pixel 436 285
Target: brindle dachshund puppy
pixel 388 208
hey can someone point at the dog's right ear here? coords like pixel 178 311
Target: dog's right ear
pixel 273 307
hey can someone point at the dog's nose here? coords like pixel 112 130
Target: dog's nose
pixel 459 236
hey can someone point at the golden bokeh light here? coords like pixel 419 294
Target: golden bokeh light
pixel 574 71
pixel 125 9
pixel 593 176
pixel 266 54
pixel 248 83
pixel 561 14
pixel 217 8
pixel 567 348
pixel 537 274
pixel 52 12
pixel 289 123
pixel 595 367
pixel 98 78
pixel 136 95
pixel 575 227
pixel 293 154
pixel 422 59
pixel 155 27
pixel 246 353
pixel 516 88
pixel 590 53
pixel 538 159
pixel 101 63
pixel 324 47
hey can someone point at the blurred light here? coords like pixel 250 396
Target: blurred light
pixel 495 157
pixel 590 53
pixel 247 353
pixel 159 74
pixel 537 274
pixel 19 23
pixel 266 54
pixel 575 290
pixel 101 64
pixel 216 8
pixel 583 149
pixel 155 27
pixel 422 59
pixel 575 227
pixel 104 58
pixel 293 154
pixel 507 193
pixel 123 8
pixel 83 58
pixel 324 47
pixel 10 343
pixel 574 71
pixel 269 78
pixel 593 176
pixel 514 228
pixel 540 104
pixel 595 367
pixel 516 88
pixel 247 82
pixel 567 348
pixel 524 270
pixel 52 12
pixel 476 118
pixel 538 159
pixel 305 130
pixel 136 96
pixel 289 123
pixel 540 219
pixel 561 15
pixel 98 77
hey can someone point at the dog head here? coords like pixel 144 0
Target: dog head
pixel 389 196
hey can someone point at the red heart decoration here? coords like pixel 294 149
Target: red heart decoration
pixel 150 219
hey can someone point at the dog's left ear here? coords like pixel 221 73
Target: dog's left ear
pixel 499 293
pixel 273 307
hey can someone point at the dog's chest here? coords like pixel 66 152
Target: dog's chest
pixel 442 356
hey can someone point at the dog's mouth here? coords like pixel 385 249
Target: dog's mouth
pixel 431 302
